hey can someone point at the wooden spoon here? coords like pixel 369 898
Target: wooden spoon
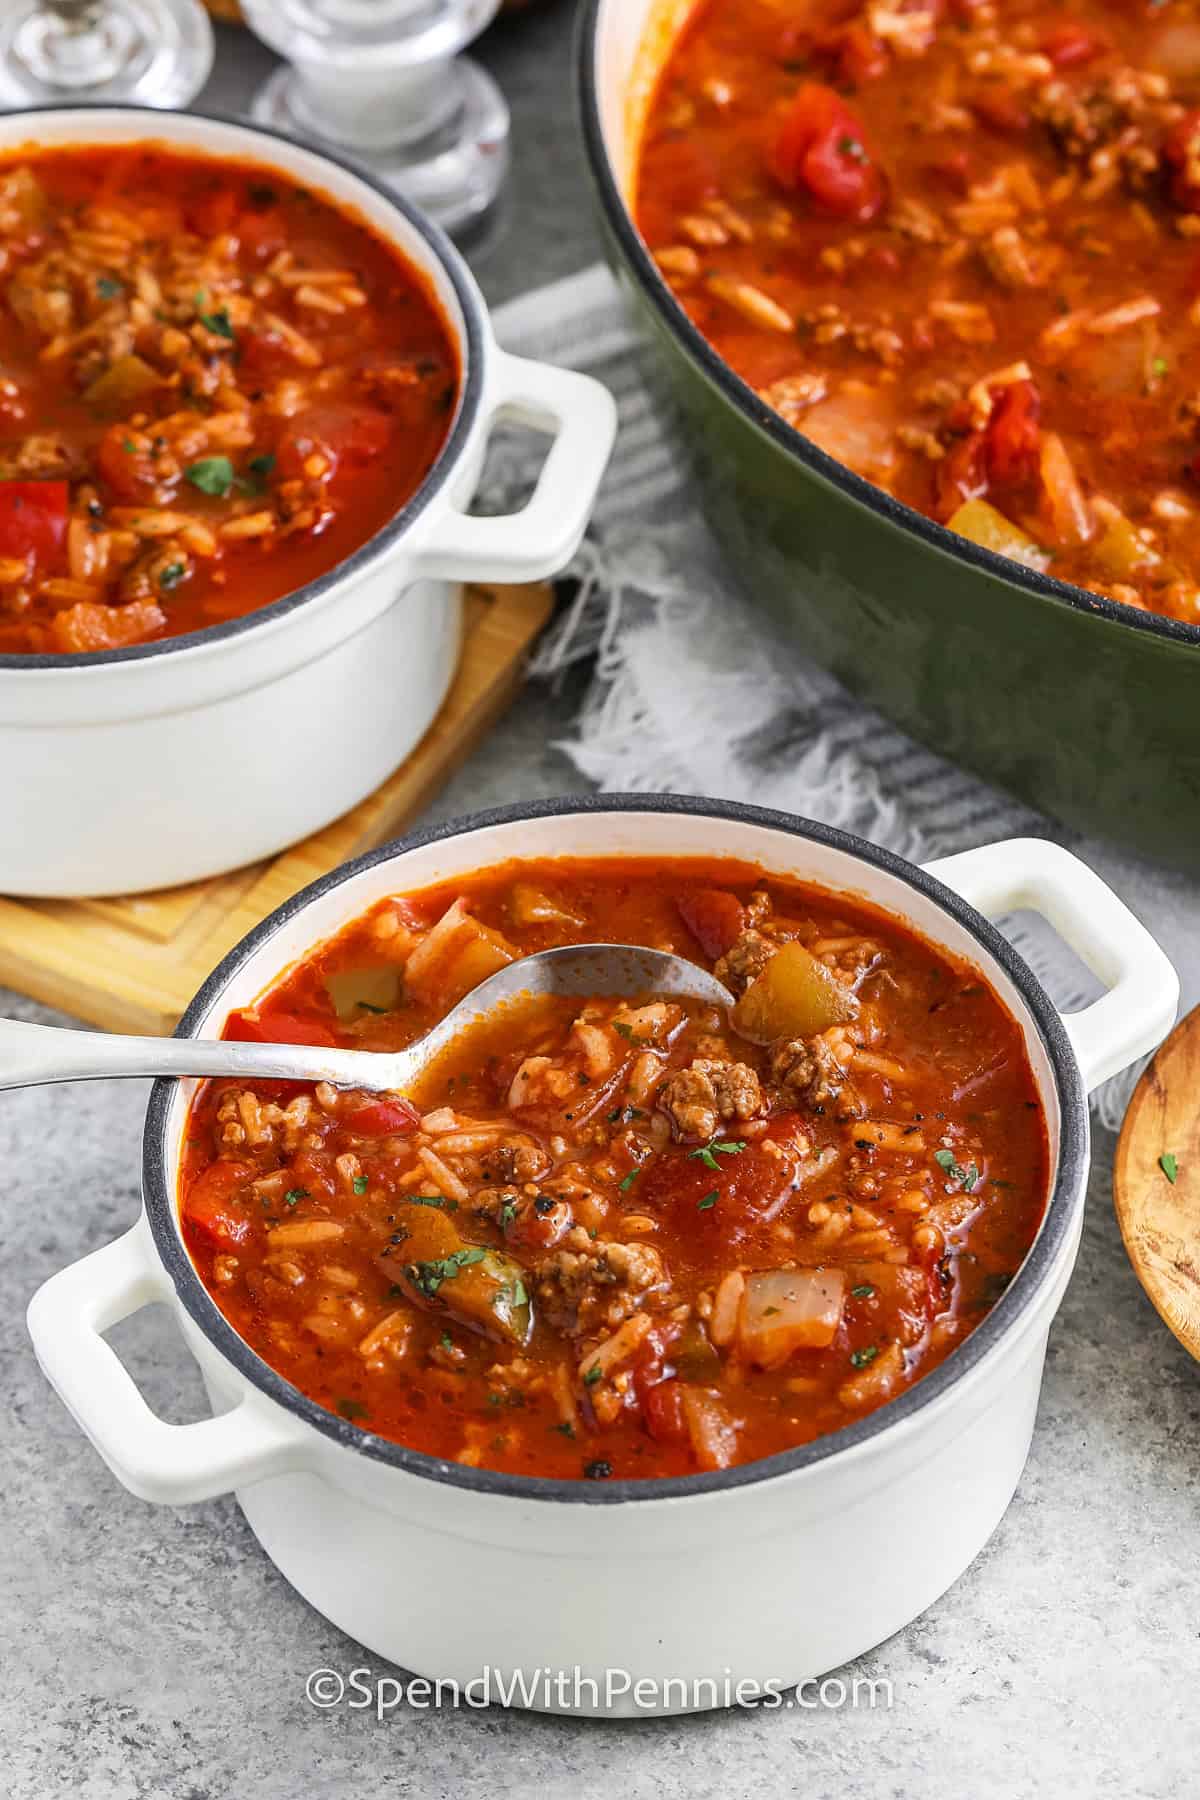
pixel 1156 1181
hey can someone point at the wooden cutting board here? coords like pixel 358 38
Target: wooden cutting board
pixel 133 964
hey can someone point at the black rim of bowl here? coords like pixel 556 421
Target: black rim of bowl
pixel 159 129
pixel 1065 1198
pixel 743 397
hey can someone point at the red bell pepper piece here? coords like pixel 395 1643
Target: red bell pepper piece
pixel 209 1210
pixel 714 917
pixel 382 1118
pixel 33 518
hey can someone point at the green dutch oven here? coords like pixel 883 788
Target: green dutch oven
pixel 1086 709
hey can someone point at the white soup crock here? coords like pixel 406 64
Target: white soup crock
pixel 162 763
pixel 776 1571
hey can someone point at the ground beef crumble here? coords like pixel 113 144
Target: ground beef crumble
pixel 595 1284
pixel 698 1099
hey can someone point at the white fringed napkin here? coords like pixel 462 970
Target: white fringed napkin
pixel 692 692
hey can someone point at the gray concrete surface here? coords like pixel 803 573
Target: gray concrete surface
pixel 149 1654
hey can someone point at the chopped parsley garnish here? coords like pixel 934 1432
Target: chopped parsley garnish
pixel 1158 367
pixel 863 1291
pixel 255 480
pixel 109 288
pixel 216 322
pixel 212 475
pixel 508 1213
pixel 625 1031
pixel 708 1153
pixel 850 146
pixel 352 1409
pixel 360 1184
pixel 860 1358
pixel 597 1471
pixel 710 1199
pixel 427 1277
pixel 294 1195
pixel 566 1429
pixel 446 1341
pixel 629 1180
pixel 591 1376
pixel 967 1177
pixel 1169 1164
pixel 431 1200
pixel 172 575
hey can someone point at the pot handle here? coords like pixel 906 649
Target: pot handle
pixel 544 535
pixel 1143 989
pixel 172 1464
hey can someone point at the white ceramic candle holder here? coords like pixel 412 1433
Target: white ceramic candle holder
pixel 383 81
pixel 141 52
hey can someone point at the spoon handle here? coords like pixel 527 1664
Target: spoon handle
pixel 31 1054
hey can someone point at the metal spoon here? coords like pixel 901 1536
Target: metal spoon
pixel 30 1054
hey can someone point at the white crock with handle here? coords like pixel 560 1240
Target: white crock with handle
pixel 769 1573
pixel 140 768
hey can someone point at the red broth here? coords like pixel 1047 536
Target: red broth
pixel 613 1239
pixel 215 385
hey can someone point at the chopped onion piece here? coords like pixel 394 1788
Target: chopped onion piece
pixel 784 1310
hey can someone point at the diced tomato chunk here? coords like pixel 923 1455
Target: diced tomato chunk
pixel 126 461
pixel 1000 109
pixel 347 436
pixel 658 1392
pixel 382 1118
pixel 716 1211
pixel 954 169
pixel 820 150
pixel 961 474
pixel 33 519
pixel 1069 44
pixel 209 1209
pixel 1013 434
pixel 663 1412
pixel 861 57
pixel 1181 151
pixel 650 1367
pixel 314 1172
pixel 714 917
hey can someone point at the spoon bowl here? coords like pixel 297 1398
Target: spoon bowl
pixel 32 1054
pixel 1156 1182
